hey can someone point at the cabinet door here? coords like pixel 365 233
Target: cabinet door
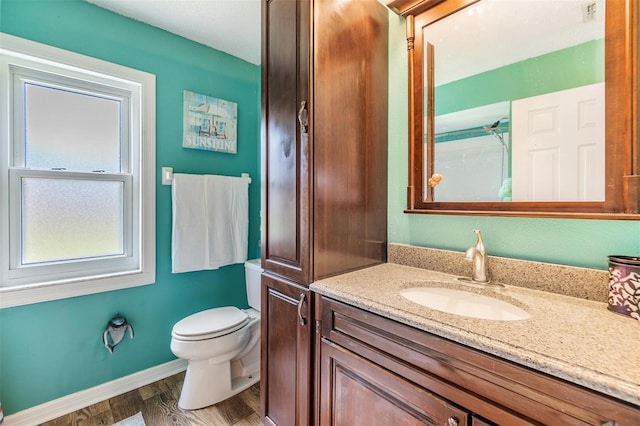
pixel 354 391
pixel 350 80
pixel 286 353
pixel 286 138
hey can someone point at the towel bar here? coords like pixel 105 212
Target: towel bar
pixel 167 176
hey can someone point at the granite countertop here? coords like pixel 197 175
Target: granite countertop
pixel 574 339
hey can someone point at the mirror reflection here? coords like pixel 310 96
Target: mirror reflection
pixel 518 88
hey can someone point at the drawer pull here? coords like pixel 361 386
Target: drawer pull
pixel 302 320
pixel 452 421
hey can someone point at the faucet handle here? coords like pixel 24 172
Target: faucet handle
pixel 480 243
pixel 478 255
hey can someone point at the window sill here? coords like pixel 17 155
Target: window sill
pixel 26 295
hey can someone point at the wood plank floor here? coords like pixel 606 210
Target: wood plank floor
pixel 158 403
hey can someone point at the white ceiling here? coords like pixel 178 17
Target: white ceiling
pixel 232 26
pixel 506 28
pixel 493 33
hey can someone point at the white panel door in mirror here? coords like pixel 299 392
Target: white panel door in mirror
pixel 559 146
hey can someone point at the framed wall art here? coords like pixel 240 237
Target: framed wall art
pixel 210 124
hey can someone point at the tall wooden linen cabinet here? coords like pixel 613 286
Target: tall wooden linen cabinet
pixel 324 174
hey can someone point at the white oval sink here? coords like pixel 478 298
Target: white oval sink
pixel 464 303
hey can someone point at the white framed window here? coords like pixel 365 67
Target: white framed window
pixel 77 190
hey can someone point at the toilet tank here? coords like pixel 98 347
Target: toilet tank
pixel 252 272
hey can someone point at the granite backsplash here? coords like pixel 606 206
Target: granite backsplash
pixel 585 283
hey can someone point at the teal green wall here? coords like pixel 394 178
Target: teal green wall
pixel 49 350
pixel 562 241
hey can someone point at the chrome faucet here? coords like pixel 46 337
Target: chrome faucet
pixel 478 255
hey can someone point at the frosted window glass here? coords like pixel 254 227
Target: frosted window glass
pixel 66 219
pixel 71 130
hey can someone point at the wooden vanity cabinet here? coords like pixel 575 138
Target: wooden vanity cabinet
pixel 324 137
pixel 286 212
pixel 324 151
pixel 372 369
pixel 286 368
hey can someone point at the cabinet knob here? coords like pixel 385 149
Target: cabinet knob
pixel 300 317
pixel 610 423
pixel 452 421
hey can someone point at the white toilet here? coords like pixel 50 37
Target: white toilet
pixel 222 347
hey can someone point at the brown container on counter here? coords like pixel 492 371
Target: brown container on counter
pixel 624 285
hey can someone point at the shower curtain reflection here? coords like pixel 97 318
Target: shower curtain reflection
pixel 475 165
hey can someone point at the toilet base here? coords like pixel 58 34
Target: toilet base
pixel 206 384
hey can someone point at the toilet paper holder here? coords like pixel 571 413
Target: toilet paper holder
pixel 115 332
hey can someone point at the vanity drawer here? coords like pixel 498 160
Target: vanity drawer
pixel 495 389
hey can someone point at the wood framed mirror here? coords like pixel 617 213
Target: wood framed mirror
pixel 499 163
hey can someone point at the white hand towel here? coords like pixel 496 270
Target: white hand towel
pixel 210 221
pixel 227 201
pixel 189 247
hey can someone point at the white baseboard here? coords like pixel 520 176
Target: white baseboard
pixel 76 401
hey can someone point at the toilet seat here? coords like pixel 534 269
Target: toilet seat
pixel 209 324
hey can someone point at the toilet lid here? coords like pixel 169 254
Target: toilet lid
pixel 210 323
